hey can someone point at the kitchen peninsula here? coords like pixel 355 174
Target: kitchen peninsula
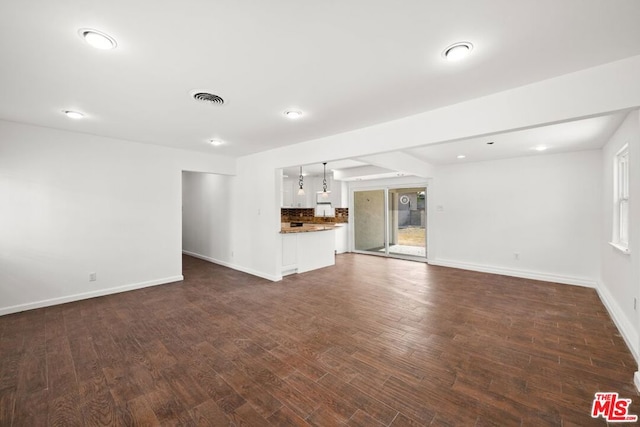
pixel 308 242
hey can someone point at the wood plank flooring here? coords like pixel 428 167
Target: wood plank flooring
pixel 369 342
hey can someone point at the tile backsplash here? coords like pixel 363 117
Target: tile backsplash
pixel 307 215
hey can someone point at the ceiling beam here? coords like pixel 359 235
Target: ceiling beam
pixel 401 162
pixel 361 172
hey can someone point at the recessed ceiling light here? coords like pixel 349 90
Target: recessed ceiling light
pixel 97 39
pixel 461 156
pixel 293 114
pixel 216 142
pixel 457 51
pixel 73 114
pixel 540 147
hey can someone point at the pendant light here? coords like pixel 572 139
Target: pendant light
pixel 325 193
pixel 301 183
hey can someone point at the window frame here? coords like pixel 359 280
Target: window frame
pixel 620 235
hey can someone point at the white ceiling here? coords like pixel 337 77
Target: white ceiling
pixel 346 64
pixel 587 134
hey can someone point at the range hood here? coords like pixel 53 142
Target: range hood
pixel 323 205
pixel 320 200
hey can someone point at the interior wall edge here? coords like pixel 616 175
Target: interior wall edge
pixel 625 326
pixel 523 274
pixel 87 295
pixel 272 278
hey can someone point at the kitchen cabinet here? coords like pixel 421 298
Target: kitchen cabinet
pixel 307 251
pixel 290 198
pixel 287 193
pixel 305 201
pixel 336 193
pixel 342 238
pixel 289 254
pixel 312 185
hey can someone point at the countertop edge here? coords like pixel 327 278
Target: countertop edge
pixel 307 230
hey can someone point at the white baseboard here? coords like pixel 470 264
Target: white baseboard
pixel 625 327
pixel 524 274
pixel 234 267
pixel 86 295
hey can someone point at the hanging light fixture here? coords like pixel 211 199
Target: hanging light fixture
pixel 301 183
pixel 325 193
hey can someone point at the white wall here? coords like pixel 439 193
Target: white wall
pixel 545 208
pixel 620 281
pixel 75 203
pixel 256 218
pixel 206 216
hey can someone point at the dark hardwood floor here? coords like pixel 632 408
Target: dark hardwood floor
pixel 369 342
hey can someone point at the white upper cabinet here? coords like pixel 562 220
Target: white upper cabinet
pixel 290 197
pixel 287 193
pixel 312 185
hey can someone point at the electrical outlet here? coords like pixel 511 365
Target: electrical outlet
pixel 92 277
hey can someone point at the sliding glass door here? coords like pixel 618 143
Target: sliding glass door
pixel 369 221
pixel 407 222
pixel 391 222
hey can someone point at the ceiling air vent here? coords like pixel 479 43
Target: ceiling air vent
pixel 208 97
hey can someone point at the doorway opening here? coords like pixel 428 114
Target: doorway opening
pixel 391 222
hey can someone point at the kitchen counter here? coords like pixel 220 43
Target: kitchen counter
pixel 286 228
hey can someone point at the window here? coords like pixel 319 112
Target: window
pixel 621 200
